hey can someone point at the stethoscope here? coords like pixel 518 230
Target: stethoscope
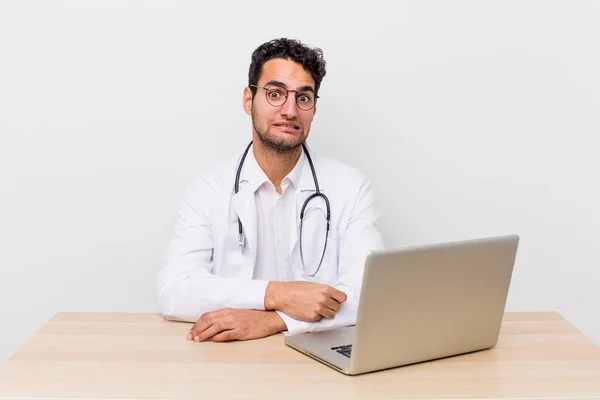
pixel 317 193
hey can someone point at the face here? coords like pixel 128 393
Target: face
pixel 286 127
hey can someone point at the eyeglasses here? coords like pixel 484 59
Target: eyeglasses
pixel 277 96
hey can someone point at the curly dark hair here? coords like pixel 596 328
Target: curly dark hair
pixel 311 59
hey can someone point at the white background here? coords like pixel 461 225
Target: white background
pixel 471 118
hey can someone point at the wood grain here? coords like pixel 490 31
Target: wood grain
pixel 142 356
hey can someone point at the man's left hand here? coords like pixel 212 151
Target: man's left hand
pixel 235 324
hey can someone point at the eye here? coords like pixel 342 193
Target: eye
pixel 276 93
pixel 304 98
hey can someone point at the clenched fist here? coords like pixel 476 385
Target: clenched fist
pixel 306 301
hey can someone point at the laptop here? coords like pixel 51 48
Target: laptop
pixel 419 304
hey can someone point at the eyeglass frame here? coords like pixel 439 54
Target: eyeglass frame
pixel 286 96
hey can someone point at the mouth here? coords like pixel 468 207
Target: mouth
pixel 288 126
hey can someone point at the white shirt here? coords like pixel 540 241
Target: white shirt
pixel 273 212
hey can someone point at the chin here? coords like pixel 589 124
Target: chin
pixel 285 139
pixel 283 145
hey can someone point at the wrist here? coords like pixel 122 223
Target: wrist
pixel 277 323
pixel 272 296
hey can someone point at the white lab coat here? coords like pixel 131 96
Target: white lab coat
pixel 205 270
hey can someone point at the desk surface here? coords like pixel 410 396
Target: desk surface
pixel 139 356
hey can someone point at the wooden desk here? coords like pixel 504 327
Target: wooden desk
pixel 141 356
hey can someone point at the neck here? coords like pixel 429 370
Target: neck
pixel 276 164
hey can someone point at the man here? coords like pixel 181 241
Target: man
pixel 243 264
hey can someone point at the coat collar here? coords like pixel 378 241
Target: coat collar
pixel 301 176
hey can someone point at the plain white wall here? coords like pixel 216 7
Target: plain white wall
pixel 471 118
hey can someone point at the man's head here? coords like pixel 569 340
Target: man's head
pixel 278 68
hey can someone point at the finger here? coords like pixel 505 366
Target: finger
pixel 209 333
pixel 225 336
pixel 316 317
pixel 203 323
pixel 337 295
pixel 332 304
pixel 327 313
pixel 198 328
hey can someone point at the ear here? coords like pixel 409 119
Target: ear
pixel 247 100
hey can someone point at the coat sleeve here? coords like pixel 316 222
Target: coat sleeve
pixel 360 238
pixel 186 285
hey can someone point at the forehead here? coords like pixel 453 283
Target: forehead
pixel 289 72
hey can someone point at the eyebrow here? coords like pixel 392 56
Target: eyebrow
pixel 283 85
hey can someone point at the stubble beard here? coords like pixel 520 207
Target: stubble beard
pixel 273 142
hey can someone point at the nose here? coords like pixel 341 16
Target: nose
pixel 289 109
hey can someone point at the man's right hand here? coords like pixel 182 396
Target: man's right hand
pixel 306 301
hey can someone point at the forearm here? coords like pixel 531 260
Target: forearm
pixel 304 314
pixel 273 296
pixel 185 296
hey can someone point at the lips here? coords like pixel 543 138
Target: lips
pixel 288 126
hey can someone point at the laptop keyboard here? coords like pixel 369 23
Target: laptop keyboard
pixel 345 349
